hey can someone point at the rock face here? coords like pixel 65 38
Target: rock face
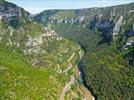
pixel 110 19
pixel 117 27
pixel 13 14
pixel 74 20
pixel 34 44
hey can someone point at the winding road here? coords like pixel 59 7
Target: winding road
pixel 85 92
pixel 70 64
pixel 68 85
pixel 66 88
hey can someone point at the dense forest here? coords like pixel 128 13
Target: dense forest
pixel 106 35
pixel 108 67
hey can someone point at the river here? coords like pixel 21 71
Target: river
pixel 78 75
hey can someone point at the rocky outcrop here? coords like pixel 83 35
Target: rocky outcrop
pixel 77 20
pixel 12 14
pixel 34 45
pixel 117 27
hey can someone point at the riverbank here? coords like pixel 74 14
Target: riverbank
pixel 85 92
pixel 78 75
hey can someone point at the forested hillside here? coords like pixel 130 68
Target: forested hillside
pixel 35 62
pixel 39 55
pixel 107 37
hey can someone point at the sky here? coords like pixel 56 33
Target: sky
pixel 37 6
